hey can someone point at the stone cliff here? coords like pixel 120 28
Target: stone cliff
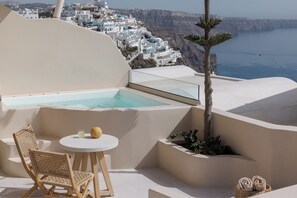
pixel 173 26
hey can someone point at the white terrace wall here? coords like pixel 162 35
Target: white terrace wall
pixel 49 55
pixel 13 120
pixel 280 108
pixel 138 130
pixel 272 147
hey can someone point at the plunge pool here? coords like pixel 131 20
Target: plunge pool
pixel 115 98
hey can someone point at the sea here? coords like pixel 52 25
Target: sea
pixel 258 55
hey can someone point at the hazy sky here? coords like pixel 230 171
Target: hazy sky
pixel 239 8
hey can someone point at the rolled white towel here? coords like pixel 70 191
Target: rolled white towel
pixel 245 184
pixel 259 183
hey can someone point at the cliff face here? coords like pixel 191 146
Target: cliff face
pixel 182 22
pixel 241 25
pixel 173 26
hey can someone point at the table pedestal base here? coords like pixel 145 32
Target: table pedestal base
pixel 81 163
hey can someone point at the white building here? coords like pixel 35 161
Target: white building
pixel 127 37
pixel 29 14
pixel 111 26
pixel 124 30
pixel 89 6
pixel 101 4
pixel 84 16
pixel 69 13
pixel 68 19
pixel 156 48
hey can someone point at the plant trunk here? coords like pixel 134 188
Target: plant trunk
pixel 207 78
pixel 208 94
pixel 206 9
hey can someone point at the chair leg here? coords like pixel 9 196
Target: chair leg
pixel 69 192
pixel 51 190
pixel 85 193
pixel 29 192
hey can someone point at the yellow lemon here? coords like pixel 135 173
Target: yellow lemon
pixel 96 132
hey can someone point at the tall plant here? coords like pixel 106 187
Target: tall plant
pixel 207 41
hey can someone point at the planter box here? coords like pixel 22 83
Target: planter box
pixel 202 170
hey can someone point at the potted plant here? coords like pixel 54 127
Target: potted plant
pixel 207 146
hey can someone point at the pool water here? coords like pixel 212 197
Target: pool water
pixel 112 102
pixel 115 98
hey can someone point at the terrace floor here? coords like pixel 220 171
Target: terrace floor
pixel 127 183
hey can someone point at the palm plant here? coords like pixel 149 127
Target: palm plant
pixel 207 41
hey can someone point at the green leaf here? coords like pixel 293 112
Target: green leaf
pixel 209 146
pixel 193 38
pixel 208 24
pixel 211 41
pixel 218 38
pixel 196 39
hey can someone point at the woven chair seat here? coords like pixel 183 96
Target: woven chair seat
pixel 56 171
pixel 79 178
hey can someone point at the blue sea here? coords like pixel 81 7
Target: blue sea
pixel 257 55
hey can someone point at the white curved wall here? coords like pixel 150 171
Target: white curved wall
pixel 49 55
pixel 272 147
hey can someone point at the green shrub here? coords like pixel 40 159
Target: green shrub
pixel 210 146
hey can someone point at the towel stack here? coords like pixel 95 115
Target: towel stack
pixel 257 183
pixel 245 184
pixel 247 187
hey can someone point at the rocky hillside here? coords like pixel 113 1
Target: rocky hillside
pixel 173 26
pixel 182 22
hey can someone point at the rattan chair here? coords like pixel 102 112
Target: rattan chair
pixel 25 139
pixel 57 168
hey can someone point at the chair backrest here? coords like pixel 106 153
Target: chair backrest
pixel 25 139
pixel 51 163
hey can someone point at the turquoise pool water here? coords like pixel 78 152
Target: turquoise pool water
pixel 110 102
pixel 93 99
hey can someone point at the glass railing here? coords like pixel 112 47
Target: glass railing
pixel 178 86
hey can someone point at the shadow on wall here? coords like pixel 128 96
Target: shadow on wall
pixel 4 12
pixel 283 158
pixel 62 122
pixel 6 118
pixel 277 109
pixel 13 120
pixel 124 81
pixel 183 124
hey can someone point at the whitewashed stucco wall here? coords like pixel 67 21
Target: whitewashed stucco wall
pixel 49 55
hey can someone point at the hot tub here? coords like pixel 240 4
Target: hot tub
pixel 115 98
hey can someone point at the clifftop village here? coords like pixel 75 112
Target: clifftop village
pixel 131 37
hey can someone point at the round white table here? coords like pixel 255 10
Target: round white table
pixel 88 146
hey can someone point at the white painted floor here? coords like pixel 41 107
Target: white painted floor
pixel 127 184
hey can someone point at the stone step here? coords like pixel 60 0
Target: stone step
pixel 10 148
pixel 10 160
pixel 14 167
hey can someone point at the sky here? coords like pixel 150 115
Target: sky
pixel 282 9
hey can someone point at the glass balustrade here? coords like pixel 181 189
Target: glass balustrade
pixel 177 86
